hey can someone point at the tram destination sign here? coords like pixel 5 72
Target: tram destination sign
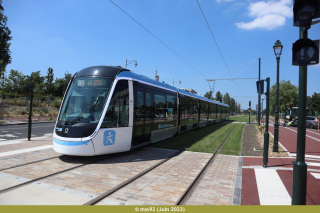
pixel 92 82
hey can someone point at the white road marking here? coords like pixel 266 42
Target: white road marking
pixel 308 156
pixel 2 139
pixel 4 131
pixel 312 164
pixel 278 168
pixel 25 150
pixel 313 132
pixel 306 134
pixel 270 188
pixel 9 142
pixel 290 155
pixel 316 175
pixel 34 127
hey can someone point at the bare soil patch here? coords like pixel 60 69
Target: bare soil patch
pixel 252 142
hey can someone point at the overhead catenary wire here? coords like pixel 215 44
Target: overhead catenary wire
pixel 158 38
pixel 217 45
pixel 244 69
pixel 235 67
pixel 161 40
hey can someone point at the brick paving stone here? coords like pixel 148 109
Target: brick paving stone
pixel 218 184
pixel 43 168
pixel 100 177
pixel 163 185
pixel 39 141
pixel 16 159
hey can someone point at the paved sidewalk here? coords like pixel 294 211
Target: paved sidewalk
pixel 230 180
pixel 273 185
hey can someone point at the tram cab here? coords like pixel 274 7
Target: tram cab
pixel 94 115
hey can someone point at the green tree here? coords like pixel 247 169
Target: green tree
pixel 59 87
pixel 15 82
pixel 227 99
pixel 49 82
pixel 60 84
pixel 313 103
pixel 219 96
pixel 288 93
pixel 37 80
pixel 233 105
pixel 5 37
pixel 208 95
pixel 67 77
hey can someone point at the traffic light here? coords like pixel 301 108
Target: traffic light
pixel 249 103
pixel 291 105
pixel 305 51
pixel 260 87
pixel 306 12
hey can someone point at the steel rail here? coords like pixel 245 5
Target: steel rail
pixel 188 192
pixel 127 182
pixel 23 164
pixel 53 174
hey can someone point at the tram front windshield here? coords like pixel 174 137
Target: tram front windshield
pixel 85 100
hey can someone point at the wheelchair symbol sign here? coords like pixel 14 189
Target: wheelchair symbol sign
pixel 109 137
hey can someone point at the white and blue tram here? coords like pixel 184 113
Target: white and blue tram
pixel 109 109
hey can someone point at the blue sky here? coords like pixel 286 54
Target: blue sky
pixel 69 35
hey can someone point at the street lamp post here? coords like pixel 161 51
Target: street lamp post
pixel 262 111
pixel 130 62
pixel 277 51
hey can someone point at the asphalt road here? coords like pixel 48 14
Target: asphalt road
pixel 14 132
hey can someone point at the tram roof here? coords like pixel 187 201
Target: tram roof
pixel 145 79
pixel 118 71
pixel 104 70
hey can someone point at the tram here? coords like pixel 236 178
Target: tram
pixel 110 109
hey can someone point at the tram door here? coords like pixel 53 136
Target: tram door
pixel 143 115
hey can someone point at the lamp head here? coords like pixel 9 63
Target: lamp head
pixel 277 48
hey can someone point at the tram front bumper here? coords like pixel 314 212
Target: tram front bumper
pixel 82 148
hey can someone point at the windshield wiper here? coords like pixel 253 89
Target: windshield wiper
pixel 87 109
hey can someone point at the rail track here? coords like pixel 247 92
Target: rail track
pixel 96 160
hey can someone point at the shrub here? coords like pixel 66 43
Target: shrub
pixel 44 109
pixel 57 102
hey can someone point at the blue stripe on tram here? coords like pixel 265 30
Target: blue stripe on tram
pixel 70 143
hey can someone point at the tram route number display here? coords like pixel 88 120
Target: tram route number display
pixel 92 82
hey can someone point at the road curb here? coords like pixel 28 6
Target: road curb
pixel 23 123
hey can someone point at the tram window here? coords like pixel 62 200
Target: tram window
pixel 160 102
pixel 117 114
pixel 79 101
pixel 183 110
pixel 149 105
pixel 203 110
pixel 171 104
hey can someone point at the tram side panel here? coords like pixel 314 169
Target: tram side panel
pixel 189 115
pixel 203 113
pixel 155 114
pixel 115 132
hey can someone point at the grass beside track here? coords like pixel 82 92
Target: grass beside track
pixel 206 139
pixel 243 118
pixel 233 144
